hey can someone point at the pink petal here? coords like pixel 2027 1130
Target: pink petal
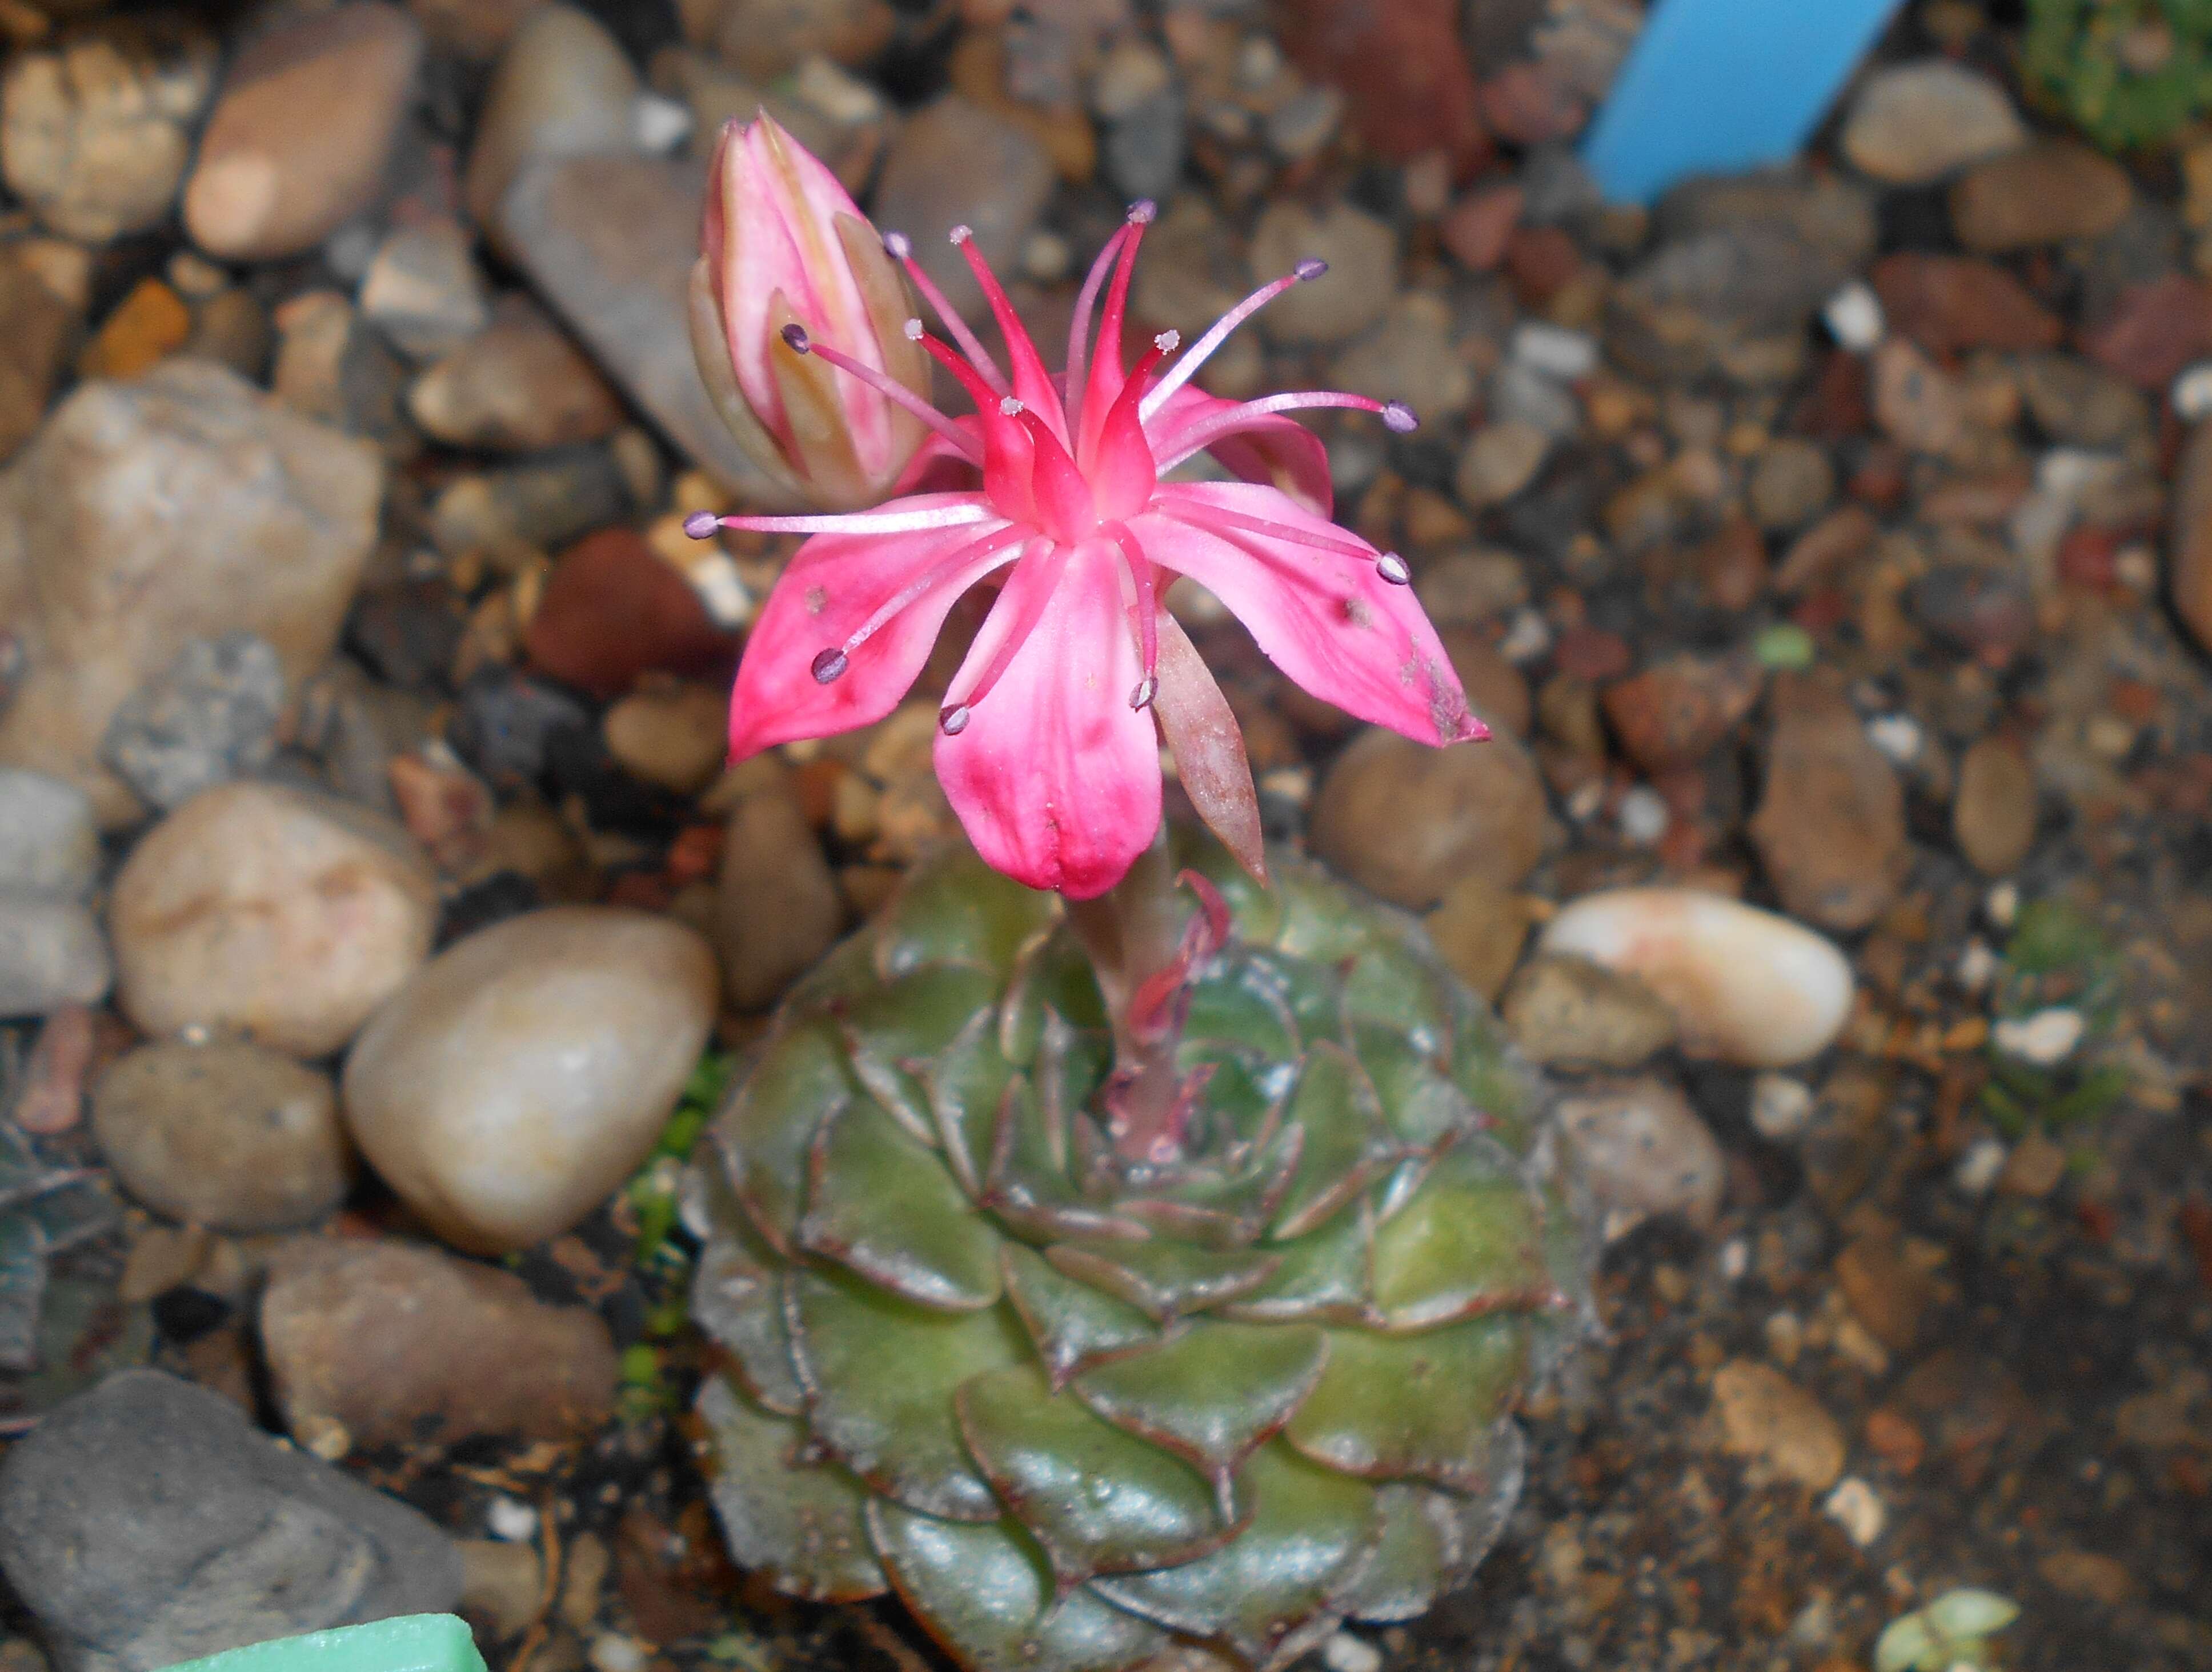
pixel 1272 450
pixel 833 585
pixel 1055 778
pixel 1331 622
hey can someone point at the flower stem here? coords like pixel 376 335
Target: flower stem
pixel 1132 932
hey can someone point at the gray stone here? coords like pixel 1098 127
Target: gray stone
pixel 51 954
pixel 1362 280
pixel 610 242
pixel 776 906
pixel 147 1522
pixel 520 387
pixel 1912 123
pixel 1144 149
pixel 955 164
pixel 48 841
pixel 263 522
pixel 423 290
pixel 563 89
pixel 207 718
pixel 1572 1011
pixel 1641 1149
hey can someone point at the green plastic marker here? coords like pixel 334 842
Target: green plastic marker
pixel 412 1643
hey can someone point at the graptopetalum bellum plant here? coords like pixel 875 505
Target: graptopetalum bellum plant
pixel 1104 1266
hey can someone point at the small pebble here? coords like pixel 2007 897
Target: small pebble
pixel 1854 317
pixel 1554 351
pixel 659 124
pixel 2193 393
pixel 1781 1106
pixel 1977 967
pixel 1735 1260
pixel 1644 817
pixel 1897 736
pixel 511 1519
pixel 2046 1038
pixel 1978 1167
pixel 612 1653
pixel 1854 1507
pixel 2001 905
pixel 1345 1653
pixel 1527 638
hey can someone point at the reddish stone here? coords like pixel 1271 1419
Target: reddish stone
pixel 1732 564
pixel 696 854
pixel 1475 227
pixel 1879 479
pixel 1539 260
pixel 1821 610
pixel 1675 713
pixel 1403 71
pixel 613 609
pixel 1838 404
pixel 1525 105
pixel 1591 653
pixel 1822 550
pixel 2088 556
pixel 1948 303
pixel 2157 330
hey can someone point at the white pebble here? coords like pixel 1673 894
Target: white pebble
pixel 714 576
pixel 2136 568
pixel 1344 1652
pixel 1746 986
pixel 1045 257
pixel 2002 903
pixel 2048 1037
pixel 1554 350
pixel 1736 1259
pixel 2192 391
pixel 1897 736
pixel 1854 1507
pixel 1293 784
pixel 1642 815
pixel 1977 967
pixel 1978 1167
pixel 1780 1107
pixel 659 124
pixel 511 1519
pixel 1854 317
pixel 1526 638
pixel 1583 804
pixel 610 1651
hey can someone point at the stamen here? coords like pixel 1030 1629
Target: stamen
pixel 1217 518
pixel 936 570
pixel 1078 325
pixel 901 251
pixel 913 330
pixel 1218 333
pixel 1392 568
pixel 828 665
pixel 1203 434
pixel 890 388
pixel 701 524
pixel 1010 407
pixel 961 234
pixel 1147 689
pixel 1027 609
pixel 1143 583
pixel 865 522
pixel 1142 212
pixel 953 720
pixel 1167 341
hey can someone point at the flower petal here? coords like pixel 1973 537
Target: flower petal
pixel 1331 623
pixel 1272 450
pixel 832 588
pixel 1055 777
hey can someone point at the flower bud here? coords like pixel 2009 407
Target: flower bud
pixel 782 245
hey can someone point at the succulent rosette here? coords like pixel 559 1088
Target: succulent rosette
pixel 1103 1266
pixel 1074 1408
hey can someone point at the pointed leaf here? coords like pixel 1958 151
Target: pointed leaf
pixel 1212 1393
pixel 1272 1593
pixel 958 910
pixel 1166 1280
pixel 1468 1240
pixel 985 1593
pixel 769 1127
pixel 1224 1209
pixel 883 1205
pixel 801 1525
pixel 1327 1276
pixel 897 1028
pixel 1244 1006
pixel 1028 1185
pixel 1256 910
pixel 1389 1406
pixel 738 1300
pixel 1073 1324
pixel 1208 746
pixel 1346 1147
pixel 1095 1499
pixel 1411 1562
pixel 1419 1101
pixel 1394 982
pixel 881 1374
pixel 965 1084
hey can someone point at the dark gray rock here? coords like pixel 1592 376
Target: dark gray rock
pixel 147 1522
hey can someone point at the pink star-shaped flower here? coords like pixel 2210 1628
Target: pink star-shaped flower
pixel 1047 744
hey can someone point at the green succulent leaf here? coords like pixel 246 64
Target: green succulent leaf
pixel 880 1375
pixel 1212 1393
pixel 985 1592
pixel 904 1025
pixel 769 1128
pixel 879 1202
pixel 1346 1143
pixel 1390 1406
pixel 1095 1499
pixel 957 911
pixel 738 1300
pixel 966 1084
pixel 1468 1239
pixel 1326 1275
pixel 1163 1278
pixel 800 1523
pixel 1073 1324
pixel 1274 1591
pixel 1424 1107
